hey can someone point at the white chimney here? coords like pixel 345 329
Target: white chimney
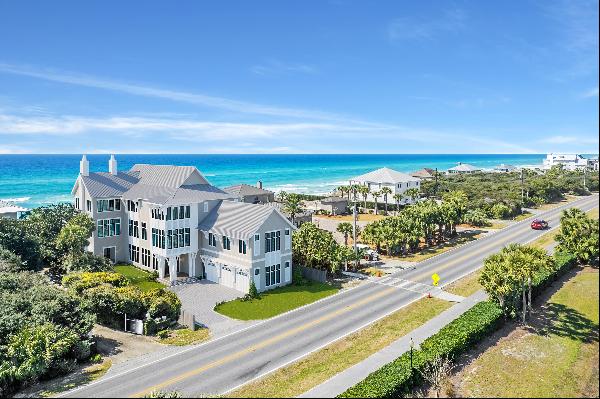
pixel 112 165
pixel 259 184
pixel 84 166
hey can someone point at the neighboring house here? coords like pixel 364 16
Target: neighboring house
pixel 593 164
pixel 504 168
pixel 172 220
pixel 304 216
pixel 11 211
pixel 333 205
pixel 463 168
pixel 568 161
pixel 425 174
pixel 398 182
pixel 251 194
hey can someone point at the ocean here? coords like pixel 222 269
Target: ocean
pixel 35 180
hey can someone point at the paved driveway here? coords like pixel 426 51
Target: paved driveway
pixel 200 297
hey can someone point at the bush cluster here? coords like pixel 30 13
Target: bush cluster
pixel 110 297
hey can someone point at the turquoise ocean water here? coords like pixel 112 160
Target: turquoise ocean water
pixel 34 180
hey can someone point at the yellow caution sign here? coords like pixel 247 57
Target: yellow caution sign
pixel 435 279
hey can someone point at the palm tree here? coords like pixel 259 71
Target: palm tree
pixel 354 189
pixel 364 191
pixel 385 191
pixel 293 205
pixel 343 190
pixel 281 196
pixel 397 199
pixel 376 195
pixel 346 229
pixel 412 193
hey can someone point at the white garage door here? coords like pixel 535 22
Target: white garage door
pixel 211 272
pixel 242 281
pixel 227 277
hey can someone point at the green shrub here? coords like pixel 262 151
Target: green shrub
pixel 87 262
pixel 500 211
pixel 104 301
pixel 252 291
pixel 394 379
pixel 161 302
pixel 10 262
pixel 163 334
pixel 297 277
pixel 78 282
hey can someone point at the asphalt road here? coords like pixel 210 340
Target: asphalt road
pixel 223 364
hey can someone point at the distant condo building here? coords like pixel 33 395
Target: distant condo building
pixel 568 161
pixel 172 220
pixel 398 182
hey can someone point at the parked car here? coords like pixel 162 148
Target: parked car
pixel 539 224
pixel 370 254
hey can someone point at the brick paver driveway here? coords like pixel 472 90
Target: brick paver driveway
pixel 200 297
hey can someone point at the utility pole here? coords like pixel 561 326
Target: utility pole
pixel 355 217
pixel 435 188
pixel 522 190
pixel 584 172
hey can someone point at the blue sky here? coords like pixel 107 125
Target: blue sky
pixel 299 77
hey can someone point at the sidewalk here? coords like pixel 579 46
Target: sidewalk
pixel 351 376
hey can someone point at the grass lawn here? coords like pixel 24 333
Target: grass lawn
pixel 276 301
pixel 138 277
pixel 466 286
pixel 427 252
pixel 523 216
pixel 555 356
pixel 185 336
pixel 299 377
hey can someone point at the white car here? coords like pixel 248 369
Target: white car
pixel 370 254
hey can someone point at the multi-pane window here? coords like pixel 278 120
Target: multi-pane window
pixel 161 236
pixel 157 214
pixel 272 275
pixel 144 231
pixel 169 239
pixel 154 237
pixel 134 230
pixel 182 212
pixel 88 204
pixel 212 241
pixel 242 246
pixel 226 243
pixel 175 214
pixel 154 262
pixel 76 203
pixel 107 205
pixel 108 227
pixel 132 206
pixel 134 253
pixel 145 257
pixel 187 211
pixel 187 236
pixel 272 241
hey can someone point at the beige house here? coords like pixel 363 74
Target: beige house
pixel 251 194
pixel 332 205
pixel 172 220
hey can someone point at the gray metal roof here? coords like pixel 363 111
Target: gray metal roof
pixel 242 190
pixel 238 220
pixel 465 167
pixel 198 193
pixel 104 185
pixel 166 175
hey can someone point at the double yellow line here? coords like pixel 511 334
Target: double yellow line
pixel 263 344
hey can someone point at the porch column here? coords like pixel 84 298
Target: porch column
pixel 172 269
pixel 161 267
pixel 192 265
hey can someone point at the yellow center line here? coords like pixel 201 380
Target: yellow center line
pixel 263 344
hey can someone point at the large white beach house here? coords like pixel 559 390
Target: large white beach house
pixel 398 182
pixel 172 220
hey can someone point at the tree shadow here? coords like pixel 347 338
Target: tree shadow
pixel 107 346
pixel 563 321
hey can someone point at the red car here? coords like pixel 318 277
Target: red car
pixel 539 224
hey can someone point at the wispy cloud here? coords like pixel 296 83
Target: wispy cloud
pixel 405 28
pixel 277 67
pixel 561 139
pixel 173 95
pixel 590 93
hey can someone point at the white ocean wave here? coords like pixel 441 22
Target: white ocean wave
pixel 16 200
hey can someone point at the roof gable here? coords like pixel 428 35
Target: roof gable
pixel 168 175
pixel 384 175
